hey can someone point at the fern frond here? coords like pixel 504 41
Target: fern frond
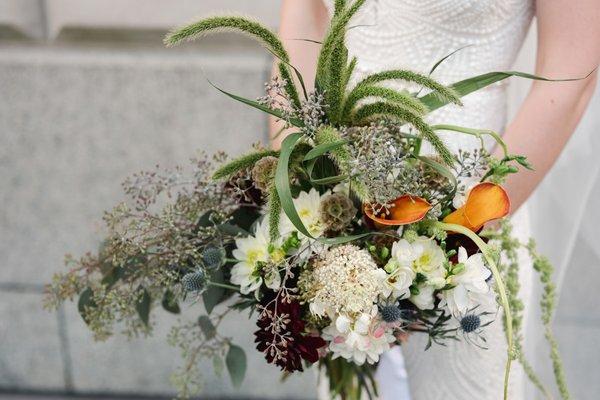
pixel 438 89
pixel 274 214
pixel 336 31
pixel 380 110
pixel 242 162
pixel 401 99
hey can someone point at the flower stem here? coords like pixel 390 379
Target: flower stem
pixel 485 249
pixel 224 286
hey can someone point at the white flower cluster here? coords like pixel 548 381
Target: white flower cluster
pixel 345 280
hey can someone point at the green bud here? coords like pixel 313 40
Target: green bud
pixel 458 268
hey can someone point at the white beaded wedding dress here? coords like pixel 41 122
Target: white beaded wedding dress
pixel 414 34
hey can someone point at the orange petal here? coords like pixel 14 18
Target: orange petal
pixel 402 211
pixel 486 202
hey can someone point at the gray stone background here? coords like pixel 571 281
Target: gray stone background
pixel 88 95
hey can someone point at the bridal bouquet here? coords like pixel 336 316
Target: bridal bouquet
pixel 339 244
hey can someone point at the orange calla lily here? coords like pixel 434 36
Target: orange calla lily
pixel 402 211
pixel 485 202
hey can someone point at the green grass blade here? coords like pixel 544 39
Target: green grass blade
pixel 475 83
pixel 294 121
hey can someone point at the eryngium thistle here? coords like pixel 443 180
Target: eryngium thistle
pixel 213 257
pixel 391 313
pixel 263 172
pixel 336 211
pixel 469 323
pixel 194 281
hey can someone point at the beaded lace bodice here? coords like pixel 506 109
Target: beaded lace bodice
pixel 415 34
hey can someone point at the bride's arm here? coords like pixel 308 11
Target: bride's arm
pixel 306 19
pixel 568 46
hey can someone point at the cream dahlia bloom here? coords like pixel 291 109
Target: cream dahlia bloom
pixel 361 340
pixel 471 288
pixel 253 253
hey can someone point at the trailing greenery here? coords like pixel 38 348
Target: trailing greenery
pixel 447 94
pixel 242 162
pixel 384 110
pixel 274 214
pixel 548 303
pixel 542 265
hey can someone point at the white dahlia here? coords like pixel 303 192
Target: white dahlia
pixel 254 255
pixel 362 339
pixel 307 205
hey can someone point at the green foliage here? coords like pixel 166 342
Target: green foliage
pixel 439 91
pixel 401 99
pixel 339 6
pixel 274 214
pixel 466 86
pixel 169 302
pixel 265 36
pixel 387 110
pixel 329 136
pixel 207 327
pixel 143 306
pixel 243 162
pixel 236 364
pixel 213 295
pixel 333 37
pixel 213 25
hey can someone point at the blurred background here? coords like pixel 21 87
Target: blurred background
pixel 88 95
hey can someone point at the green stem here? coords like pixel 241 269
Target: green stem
pixel 485 250
pixel 224 286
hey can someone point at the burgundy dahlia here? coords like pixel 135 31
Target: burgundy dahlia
pixel 281 336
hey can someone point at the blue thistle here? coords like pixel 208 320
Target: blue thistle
pixel 391 313
pixel 194 281
pixel 469 323
pixel 213 257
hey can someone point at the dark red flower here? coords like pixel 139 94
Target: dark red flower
pixel 282 338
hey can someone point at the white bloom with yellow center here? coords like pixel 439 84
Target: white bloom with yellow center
pixel 253 253
pixel 307 206
pixel 470 285
pixel 359 340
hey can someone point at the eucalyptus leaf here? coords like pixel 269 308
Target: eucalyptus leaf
pixel 169 302
pixel 143 307
pixel 236 364
pixel 213 295
pixel 207 327
pixel 86 301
